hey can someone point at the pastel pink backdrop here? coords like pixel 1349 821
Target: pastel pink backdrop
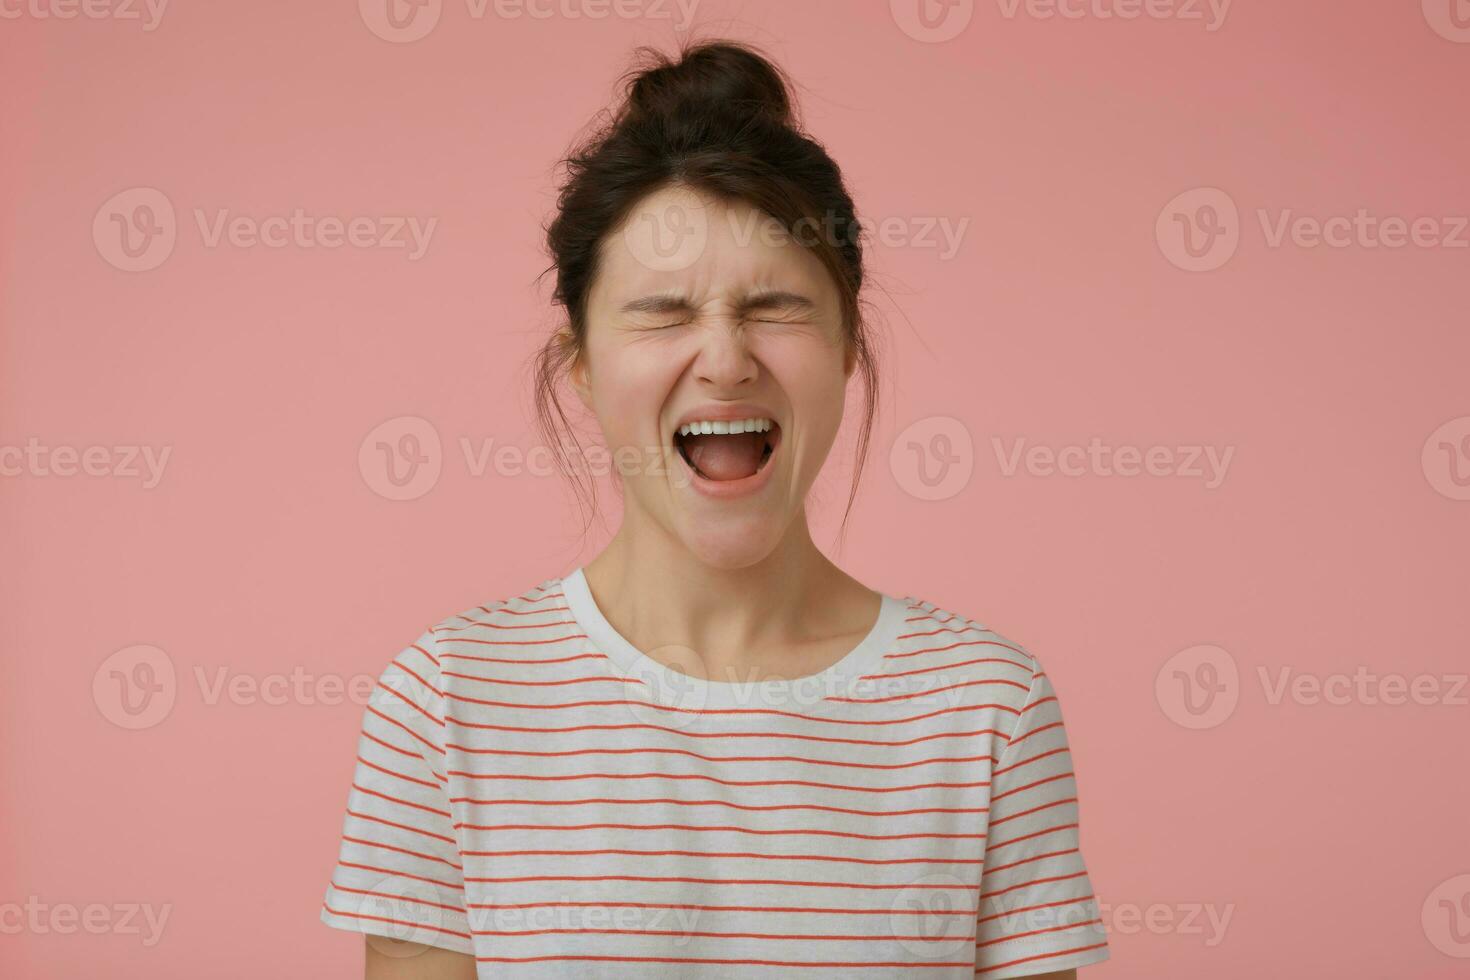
pixel 1320 829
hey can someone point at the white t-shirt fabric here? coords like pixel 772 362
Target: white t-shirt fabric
pixel 532 790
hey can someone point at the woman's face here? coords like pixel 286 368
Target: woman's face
pixel 703 310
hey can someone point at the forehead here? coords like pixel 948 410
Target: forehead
pixel 679 240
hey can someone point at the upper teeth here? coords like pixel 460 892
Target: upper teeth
pixel 730 428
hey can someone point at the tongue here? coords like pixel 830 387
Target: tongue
pixel 726 457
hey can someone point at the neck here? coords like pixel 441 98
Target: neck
pixel 656 592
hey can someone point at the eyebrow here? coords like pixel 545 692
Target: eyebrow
pixel 764 300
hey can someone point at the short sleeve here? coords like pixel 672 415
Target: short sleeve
pixel 399 870
pixel 1037 910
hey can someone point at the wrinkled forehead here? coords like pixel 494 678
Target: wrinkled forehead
pixel 709 250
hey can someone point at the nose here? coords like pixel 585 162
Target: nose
pixel 724 359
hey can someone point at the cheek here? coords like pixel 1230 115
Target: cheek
pixel 629 392
pixel 812 377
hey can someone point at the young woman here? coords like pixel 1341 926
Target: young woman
pixel 710 752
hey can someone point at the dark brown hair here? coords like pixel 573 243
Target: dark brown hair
pixel 719 120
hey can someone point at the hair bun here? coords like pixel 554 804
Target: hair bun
pixel 716 78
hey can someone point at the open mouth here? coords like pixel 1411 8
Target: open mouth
pixel 723 456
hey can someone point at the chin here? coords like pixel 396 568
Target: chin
pixel 736 544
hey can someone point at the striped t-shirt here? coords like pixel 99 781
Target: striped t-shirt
pixel 534 791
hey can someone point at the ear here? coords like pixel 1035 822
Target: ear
pixel 578 373
pixel 849 361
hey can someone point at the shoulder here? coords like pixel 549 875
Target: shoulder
pixel 498 630
pixel 947 650
pixel 423 666
pixel 538 598
pixel 541 605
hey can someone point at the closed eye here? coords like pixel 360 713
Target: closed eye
pixel 748 319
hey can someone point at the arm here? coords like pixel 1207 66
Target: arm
pixel 1039 917
pixel 395 959
pixel 399 876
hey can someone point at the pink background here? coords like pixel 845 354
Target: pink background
pixel 1321 829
